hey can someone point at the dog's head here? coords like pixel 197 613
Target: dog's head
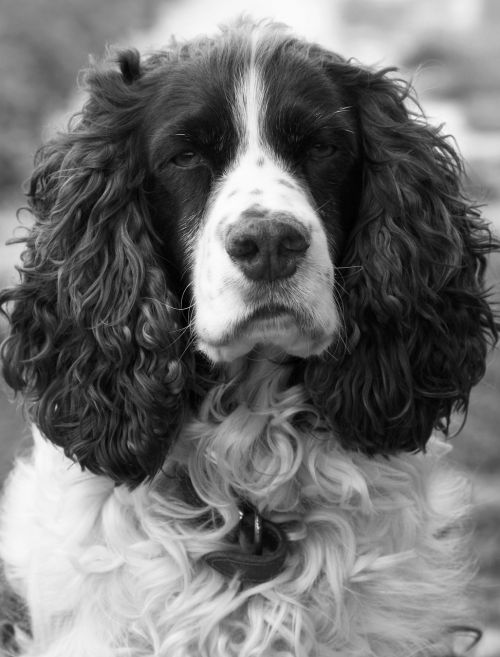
pixel 247 190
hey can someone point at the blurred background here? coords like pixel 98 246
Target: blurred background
pixel 451 50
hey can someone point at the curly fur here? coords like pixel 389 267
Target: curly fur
pixel 417 320
pixel 376 563
pixel 329 446
pixel 96 339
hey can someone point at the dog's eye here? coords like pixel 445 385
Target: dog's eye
pixel 187 159
pixel 321 151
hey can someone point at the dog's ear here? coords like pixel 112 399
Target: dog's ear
pixel 96 343
pixel 416 320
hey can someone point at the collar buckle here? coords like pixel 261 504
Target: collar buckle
pixel 250 529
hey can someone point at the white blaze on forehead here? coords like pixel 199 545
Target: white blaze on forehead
pixel 250 105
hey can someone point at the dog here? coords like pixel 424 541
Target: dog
pixel 250 301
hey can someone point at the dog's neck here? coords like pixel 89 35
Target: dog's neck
pixel 256 376
pixel 243 439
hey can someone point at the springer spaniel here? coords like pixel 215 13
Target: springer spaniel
pixel 252 290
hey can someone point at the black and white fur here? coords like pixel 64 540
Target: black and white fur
pixel 251 261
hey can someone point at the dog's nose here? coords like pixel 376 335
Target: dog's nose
pixel 267 247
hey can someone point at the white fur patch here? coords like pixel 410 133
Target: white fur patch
pixel 374 567
pixel 225 300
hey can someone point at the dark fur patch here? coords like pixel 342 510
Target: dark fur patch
pixel 130 66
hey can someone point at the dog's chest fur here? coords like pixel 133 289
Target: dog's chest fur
pixel 373 543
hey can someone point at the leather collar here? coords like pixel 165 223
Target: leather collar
pixel 257 548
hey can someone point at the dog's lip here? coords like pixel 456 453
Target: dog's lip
pixel 269 320
pixel 267 313
pixel 294 330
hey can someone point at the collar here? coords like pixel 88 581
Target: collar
pixel 257 547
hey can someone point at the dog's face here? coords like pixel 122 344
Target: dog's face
pixel 255 161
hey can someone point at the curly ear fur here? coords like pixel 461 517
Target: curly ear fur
pixel 95 344
pixel 417 320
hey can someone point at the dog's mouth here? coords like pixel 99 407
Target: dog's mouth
pixel 291 331
pixel 270 314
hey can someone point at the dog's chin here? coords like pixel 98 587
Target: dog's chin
pixel 278 333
